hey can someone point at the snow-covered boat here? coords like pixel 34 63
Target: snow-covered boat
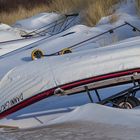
pixel 69 74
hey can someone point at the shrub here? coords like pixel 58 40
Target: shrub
pixel 91 11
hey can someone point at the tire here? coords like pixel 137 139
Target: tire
pixel 126 102
pixel 37 54
pixel 65 51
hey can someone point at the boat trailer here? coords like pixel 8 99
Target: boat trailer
pixel 125 99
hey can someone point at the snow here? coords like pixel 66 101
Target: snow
pixel 106 54
pixel 4 27
pixel 41 20
pixel 45 20
pixel 98 114
pixel 48 44
pixel 101 114
pixel 37 21
pixel 126 12
pixel 7 47
pixel 9 35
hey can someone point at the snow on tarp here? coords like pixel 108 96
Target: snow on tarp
pixel 53 44
pixel 48 45
pixel 36 77
pixel 17 44
pixel 4 26
pixel 12 33
pixel 9 33
pixel 47 42
pixel 38 21
pixel 77 34
pixel 63 40
pixel 6 35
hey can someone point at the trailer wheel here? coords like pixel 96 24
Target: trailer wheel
pixel 37 54
pixel 126 102
pixel 65 51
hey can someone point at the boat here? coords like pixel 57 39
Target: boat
pixel 72 74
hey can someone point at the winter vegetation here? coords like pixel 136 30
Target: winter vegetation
pixel 91 10
pixel 138 6
pixel 12 10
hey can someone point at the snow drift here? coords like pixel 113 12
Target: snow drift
pixel 101 114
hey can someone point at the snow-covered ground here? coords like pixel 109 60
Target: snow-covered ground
pixel 98 114
pixel 90 121
pixel 62 116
